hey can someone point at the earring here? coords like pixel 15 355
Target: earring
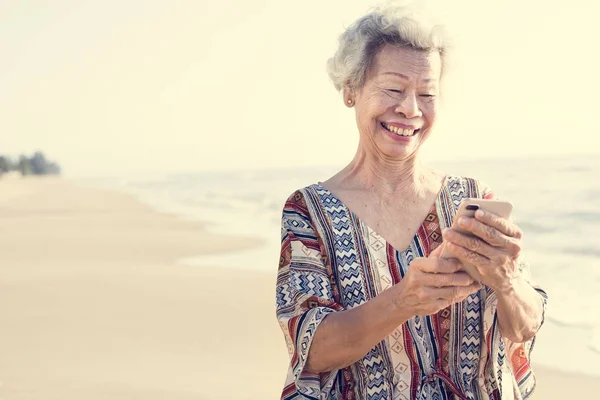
pixel 349 102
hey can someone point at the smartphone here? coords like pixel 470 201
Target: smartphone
pixel 467 208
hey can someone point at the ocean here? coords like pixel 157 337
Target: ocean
pixel 557 205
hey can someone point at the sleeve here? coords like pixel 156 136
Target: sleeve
pixel 305 296
pixel 500 349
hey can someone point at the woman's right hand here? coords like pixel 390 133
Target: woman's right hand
pixel 432 284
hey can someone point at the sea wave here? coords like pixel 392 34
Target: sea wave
pixel 583 216
pixel 586 251
pixel 595 343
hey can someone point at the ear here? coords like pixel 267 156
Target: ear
pixel 349 98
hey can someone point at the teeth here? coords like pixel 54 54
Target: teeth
pixel 399 131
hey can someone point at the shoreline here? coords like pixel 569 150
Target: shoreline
pixel 94 304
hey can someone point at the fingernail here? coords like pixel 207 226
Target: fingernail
pixel 462 221
pixel 479 213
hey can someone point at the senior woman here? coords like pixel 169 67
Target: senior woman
pixel 368 308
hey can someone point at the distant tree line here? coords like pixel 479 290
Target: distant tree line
pixel 37 164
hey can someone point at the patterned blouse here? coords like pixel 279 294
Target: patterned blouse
pixel 332 261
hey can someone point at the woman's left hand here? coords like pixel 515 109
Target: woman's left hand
pixel 493 250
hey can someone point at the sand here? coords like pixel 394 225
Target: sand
pixel 93 305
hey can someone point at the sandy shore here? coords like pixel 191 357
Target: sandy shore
pixel 93 306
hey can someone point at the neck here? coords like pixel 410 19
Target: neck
pixel 388 177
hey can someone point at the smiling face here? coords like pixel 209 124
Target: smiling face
pixel 396 106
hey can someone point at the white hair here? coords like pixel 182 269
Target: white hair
pixel 393 25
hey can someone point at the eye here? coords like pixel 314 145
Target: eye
pixel 427 95
pixel 394 90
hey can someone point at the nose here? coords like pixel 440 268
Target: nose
pixel 409 106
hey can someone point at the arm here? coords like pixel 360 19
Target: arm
pixel 344 337
pixel 495 251
pixel 520 310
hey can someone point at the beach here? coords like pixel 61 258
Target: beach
pixel 94 305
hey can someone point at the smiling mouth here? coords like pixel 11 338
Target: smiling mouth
pixel 399 131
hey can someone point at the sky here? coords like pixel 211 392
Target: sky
pixel 109 86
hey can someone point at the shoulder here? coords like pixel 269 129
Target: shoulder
pixel 302 216
pixel 300 199
pixel 300 206
pixel 473 187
